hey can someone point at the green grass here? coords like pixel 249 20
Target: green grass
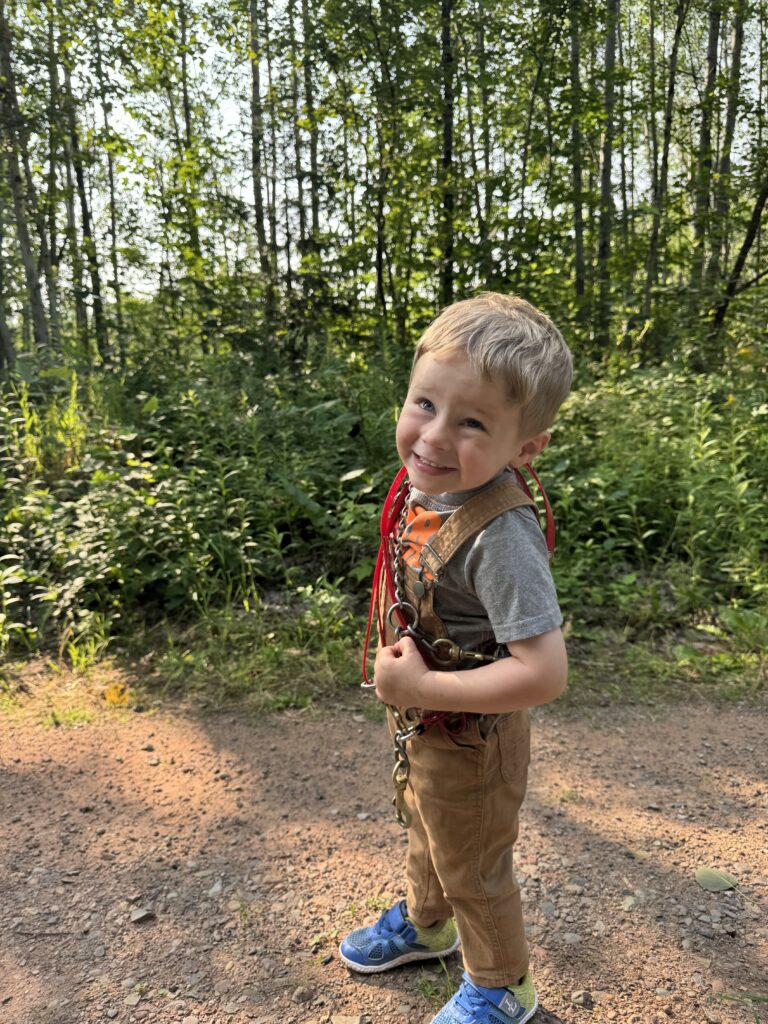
pixel 68 717
pixel 291 652
pixel 306 653
pixel 612 667
pixel 9 703
pixel 437 985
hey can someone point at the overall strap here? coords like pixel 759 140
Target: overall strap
pixel 462 524
pixel 468 520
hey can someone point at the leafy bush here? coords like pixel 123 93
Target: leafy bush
pixel 176 493
pixel 659 482
pixel 192 490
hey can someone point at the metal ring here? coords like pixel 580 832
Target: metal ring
pixel 399 606
pixel 451 653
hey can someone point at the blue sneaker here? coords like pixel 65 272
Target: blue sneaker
pixel 395 940
pixel 474 1004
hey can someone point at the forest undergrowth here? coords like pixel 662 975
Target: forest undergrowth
pixel 218 525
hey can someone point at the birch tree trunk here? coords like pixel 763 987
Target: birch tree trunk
pixel 579 266
pixel 655 243
pixel 604 311
pixel 257 171
pixel 116 285
pixel 722 190
pixel 447 183
pixel 703 170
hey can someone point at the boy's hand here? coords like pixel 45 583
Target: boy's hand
pixel 397 673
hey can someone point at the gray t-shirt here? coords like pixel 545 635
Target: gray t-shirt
pixel 498 586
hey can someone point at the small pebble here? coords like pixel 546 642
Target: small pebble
pixel 582 998
pixel 303 994
pixel 142 914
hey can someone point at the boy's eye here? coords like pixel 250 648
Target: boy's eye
pixel 474 424
pixel 424 403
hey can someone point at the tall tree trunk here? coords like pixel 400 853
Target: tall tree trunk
pixel 732 286
pixel 604 312
pixel 541 50
pixel 653 130
pixel 622 133
pixel 309 102
pixel 703 169
pixel 722 191
pixel 475 172
pixel 257 171
pixel 89 243
pixel 7 349
pixel 656 241
pixel 297 144
pixel 381 178
pixel 288 234
pixel 54 317
pixel 485 144
pixel 579 266
pixel 272 179
pixel 20 186
pixel 79 291
pixel 115 283
pixel 447 175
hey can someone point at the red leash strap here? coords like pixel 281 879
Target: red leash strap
pixel 549 518
pixel 390 515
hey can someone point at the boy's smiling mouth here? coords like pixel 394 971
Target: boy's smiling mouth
pixel 428 464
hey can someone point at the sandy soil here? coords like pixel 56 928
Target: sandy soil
pixel 168 866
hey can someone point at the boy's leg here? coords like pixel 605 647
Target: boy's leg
pixel 467 791
pixel 418 928
pixel 425 898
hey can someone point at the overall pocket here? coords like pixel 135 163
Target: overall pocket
pixel 514 736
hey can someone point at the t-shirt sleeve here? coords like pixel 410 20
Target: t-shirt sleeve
pixel 507 568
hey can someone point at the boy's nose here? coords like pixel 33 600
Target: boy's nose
pixel 436 433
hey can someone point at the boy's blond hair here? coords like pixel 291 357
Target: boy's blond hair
pixel 506 339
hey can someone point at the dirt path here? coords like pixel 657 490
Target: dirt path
pixel 250 848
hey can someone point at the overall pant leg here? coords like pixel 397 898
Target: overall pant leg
pixel 425 899
pixel 466 794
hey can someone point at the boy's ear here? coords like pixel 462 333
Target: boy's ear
pixel 530 449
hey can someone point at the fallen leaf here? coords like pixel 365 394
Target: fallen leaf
pixel 715 880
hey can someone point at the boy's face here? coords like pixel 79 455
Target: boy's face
pixel 458 430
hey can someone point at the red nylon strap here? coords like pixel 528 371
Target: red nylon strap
pixel 390 514
pixel 549 519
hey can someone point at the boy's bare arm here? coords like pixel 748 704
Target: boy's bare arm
pixel 536 673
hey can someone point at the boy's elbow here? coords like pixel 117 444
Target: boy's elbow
pixel 555 680
pixel 559 684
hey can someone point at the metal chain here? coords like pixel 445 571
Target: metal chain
pixel 405 608
pixel 404 731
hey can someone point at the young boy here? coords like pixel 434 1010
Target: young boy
pixel 488 377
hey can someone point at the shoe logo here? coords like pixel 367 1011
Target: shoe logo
pixel 510 1005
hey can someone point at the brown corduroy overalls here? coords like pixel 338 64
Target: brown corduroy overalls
pixel 465 790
